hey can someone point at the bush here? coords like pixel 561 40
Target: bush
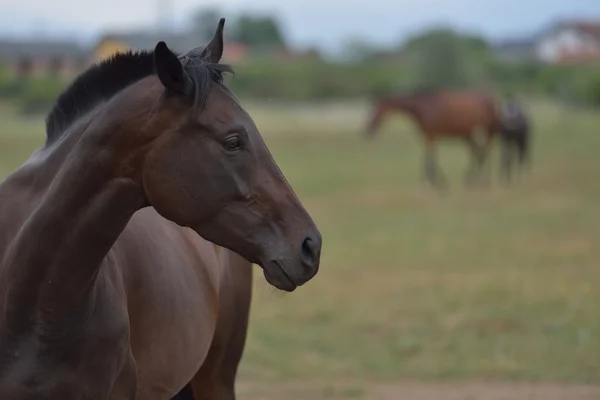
pixel 322 80
pixel 586 85
pixel 9 87
pixel 314 80
pixel 39 94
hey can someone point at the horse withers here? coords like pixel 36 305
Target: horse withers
pixel 127 239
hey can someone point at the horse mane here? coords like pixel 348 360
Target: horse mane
pixel 102 81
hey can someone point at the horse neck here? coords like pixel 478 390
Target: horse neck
pixel 380 110
pixel 55 257
pixel 409 105
pixel 415 107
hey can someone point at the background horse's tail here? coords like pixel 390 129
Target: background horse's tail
pixel 185 394
pixel 514 128
pixel 517 137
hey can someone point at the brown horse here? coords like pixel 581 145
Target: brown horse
pixel 108 290
pixel 444 114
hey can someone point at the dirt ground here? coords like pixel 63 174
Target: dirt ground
pixel 421 391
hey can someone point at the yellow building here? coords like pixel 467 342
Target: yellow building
pixel 115 43
pixel 108 47
pixel 181 43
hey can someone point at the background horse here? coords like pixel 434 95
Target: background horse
pixel 516 137
pixel 108 290
pixel 443 114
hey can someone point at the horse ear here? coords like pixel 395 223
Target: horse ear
pixel 170 71
pixel 214 49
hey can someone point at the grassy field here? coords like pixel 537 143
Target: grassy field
pixel 498 285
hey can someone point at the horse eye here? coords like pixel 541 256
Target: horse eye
pixel 233 143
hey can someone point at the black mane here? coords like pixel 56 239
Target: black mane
pixel 104 80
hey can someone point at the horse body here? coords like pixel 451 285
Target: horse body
pixel 209 286
pixel 176 285
pixel 53 324
pixel 127 240
pixel 457 114
pixel 444 114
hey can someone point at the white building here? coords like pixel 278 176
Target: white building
pixel 569 42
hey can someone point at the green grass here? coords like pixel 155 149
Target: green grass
pixel 501 283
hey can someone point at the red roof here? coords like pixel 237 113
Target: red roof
pixel 578 57
pixel 591 28
pixel 590 54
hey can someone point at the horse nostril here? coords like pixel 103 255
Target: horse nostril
pixel 310 251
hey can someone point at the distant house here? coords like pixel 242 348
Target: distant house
pixel 33 58
pixel 182 43
pixel 287 55
pixel 570 42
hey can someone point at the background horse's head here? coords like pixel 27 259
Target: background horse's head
pixel 384 105
pixel 208 168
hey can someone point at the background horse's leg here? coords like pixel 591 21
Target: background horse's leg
pixel 485 167
pixel 476 161
pixel 507 158
pixel 432 171
pixel 523 150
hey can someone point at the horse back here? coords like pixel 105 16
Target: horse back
pixel 459 112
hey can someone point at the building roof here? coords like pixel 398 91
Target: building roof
pixel 589 28
pixel 13 49
pixel 180 43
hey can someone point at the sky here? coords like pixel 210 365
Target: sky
pixel 324 23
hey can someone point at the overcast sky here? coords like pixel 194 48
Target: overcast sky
pixel 322 22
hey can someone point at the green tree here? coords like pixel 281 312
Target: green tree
pixel 258 31
pixel 357 49
pixel 204 22
pixel 444 57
